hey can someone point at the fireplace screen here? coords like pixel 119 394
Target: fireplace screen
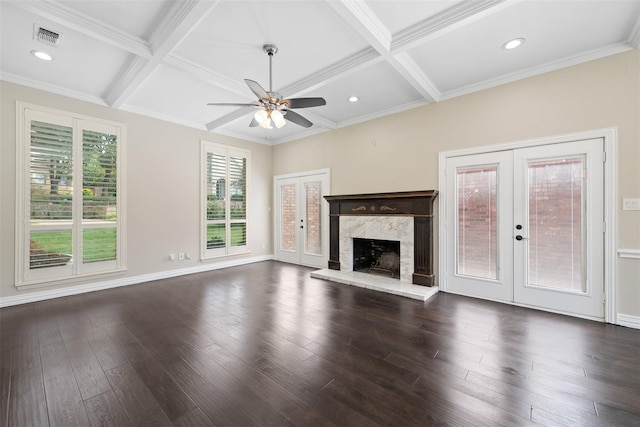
pixel 381 257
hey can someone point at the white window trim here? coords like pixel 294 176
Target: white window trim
pixel 208 254
pixel 25 279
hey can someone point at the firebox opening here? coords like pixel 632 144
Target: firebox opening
pixel 381 257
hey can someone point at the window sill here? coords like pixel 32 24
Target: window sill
pixel 68 280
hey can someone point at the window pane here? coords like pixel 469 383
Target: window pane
pixel 98 244
pixel 216 236
pixel 313 241
pixel 99 154
pixel 477 222
pixel 51 167
pixel 237 187
pixel 216 186
pixel 288 217
pixel 238 234
pixel 49 249
pixel 556 224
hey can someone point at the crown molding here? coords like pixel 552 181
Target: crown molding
pixel 159 116
pixel 449 19
pixel 383 113
pixel 67 16
pixel 47 87
pixel 541 69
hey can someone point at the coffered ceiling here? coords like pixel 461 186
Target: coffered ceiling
pixel 168 59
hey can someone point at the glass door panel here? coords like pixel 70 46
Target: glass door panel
pixel 556 224
pixel 477 223
pixel 313 219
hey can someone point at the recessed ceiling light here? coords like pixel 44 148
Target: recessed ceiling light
pixel 512 44
pixel 353 99
pixel 41 55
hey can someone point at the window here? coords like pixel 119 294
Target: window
pixel 224 200
pixel 69 218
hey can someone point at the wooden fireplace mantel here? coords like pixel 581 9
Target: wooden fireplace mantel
pixel 416 204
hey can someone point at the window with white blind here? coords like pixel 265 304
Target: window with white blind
pixel 69 218
pixel 224 200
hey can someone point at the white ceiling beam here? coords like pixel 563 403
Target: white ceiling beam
pixel 96 29
pixel 413 74
pixel 352 64
pixel 228 118
pixel 207 75
pixel 450 19
pixel 177 24
pixel 366 23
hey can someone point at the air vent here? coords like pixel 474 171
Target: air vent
pixel 47 36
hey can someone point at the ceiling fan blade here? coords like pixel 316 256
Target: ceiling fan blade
pixel 303 102
pixel 257 89
pixel 253 123
pixel 297 119
pixel 232 104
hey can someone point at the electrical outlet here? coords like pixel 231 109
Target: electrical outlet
pixel 181 256
pixel 172 257
pixel 631 204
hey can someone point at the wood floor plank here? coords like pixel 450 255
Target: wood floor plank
pixel 104 410
pixel 167 393
pixel 135 398
pixel 64 402
pixel 195 418
pixel 6 350
pixel 266 344
pixel 27 404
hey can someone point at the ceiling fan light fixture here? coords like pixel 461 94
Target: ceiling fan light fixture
pixel 278 118
pixel 512 44
pixel 353 99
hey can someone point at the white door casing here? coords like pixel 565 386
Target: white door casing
pixel 301 218
pixel 599 220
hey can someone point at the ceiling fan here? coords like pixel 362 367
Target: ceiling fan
pixel 272 109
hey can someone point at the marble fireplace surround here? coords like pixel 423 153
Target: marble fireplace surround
pixel 406 217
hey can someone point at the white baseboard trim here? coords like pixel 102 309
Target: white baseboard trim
pixel 628 321
pixel 126 281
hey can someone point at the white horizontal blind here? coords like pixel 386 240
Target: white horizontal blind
pixel 225 172
pixel 99 196
pixel 68 220
pixel 50 195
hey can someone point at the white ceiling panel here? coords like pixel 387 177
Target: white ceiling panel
pixel 138 18
pixel 553 31
pixel 168 59
pixel 377 87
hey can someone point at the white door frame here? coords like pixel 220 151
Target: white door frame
pixel 610 138
pixel 324 219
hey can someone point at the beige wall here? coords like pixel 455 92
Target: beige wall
pixel 400 152
pixel 162 188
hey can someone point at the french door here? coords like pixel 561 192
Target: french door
pixel 526 226
pixel 301 219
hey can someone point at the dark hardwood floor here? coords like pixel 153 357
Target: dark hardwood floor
pixel 266 345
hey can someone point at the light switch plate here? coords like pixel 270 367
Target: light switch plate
pixel 631 204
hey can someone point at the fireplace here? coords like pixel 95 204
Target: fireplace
pixel 380 257
pixel 404 217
